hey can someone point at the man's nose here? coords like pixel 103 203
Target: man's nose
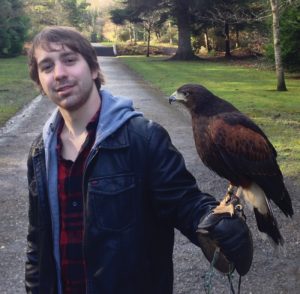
pixel 60 71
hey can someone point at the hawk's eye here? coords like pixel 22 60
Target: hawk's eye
pixel 186 94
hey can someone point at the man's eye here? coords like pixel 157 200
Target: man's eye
pixel 46 67
pixel 70 60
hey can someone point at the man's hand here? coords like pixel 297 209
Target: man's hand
pixel 226 241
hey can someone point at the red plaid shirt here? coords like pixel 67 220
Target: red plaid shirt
pixel 71 212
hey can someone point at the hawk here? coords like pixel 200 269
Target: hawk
pixel 233 146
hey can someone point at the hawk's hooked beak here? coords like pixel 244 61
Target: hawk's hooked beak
pixel 172 98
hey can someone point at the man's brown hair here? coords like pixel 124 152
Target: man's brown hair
pixel 65 36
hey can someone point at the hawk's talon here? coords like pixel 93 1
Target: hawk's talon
pixel 228 197
pixel 229 204
pixel 221 208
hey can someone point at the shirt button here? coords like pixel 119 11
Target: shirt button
pixel 75 203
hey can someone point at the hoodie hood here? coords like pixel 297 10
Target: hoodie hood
pixel 115 111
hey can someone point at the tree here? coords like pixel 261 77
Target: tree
pixel 57 12
pixel 230 15
pixel 152 21
pixel 290 36
pixel 181 11
pixel 13 27
pixel 277 46
pixel 96 25
pixel 76 13
pixel 182 15
pixel 128 17
pixel 41 13
pixel 149 19
pixel 185 13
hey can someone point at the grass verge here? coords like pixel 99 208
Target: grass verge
pixel 250 89
pixel 16 88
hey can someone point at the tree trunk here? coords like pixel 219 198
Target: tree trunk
pixel 184 50
pixel 148 42
pixel 170 33
pixel 277 49
pixel 206 41
pixel 130 33
pixel 237 37
pixel 134 35
pixel 227 40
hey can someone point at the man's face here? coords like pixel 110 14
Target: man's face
pixel 65 76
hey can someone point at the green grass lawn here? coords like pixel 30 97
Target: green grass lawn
pixel 250 89
pixel 16 88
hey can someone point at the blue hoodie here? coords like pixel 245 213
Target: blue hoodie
pixel 115 111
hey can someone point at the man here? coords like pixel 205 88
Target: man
pixel 106 186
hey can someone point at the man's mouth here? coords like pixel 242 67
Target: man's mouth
pixel 64 88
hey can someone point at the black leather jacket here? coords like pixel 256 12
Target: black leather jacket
pixel 136 191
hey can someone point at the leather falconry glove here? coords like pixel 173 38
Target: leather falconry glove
pixel 229 237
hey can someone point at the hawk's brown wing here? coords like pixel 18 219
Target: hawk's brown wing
pixel 242 147
pixel 246 156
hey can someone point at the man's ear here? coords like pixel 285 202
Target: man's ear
pixel 94 74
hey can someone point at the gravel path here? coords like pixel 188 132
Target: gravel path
pixel 272 272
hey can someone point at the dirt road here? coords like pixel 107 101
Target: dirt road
pixel 273 271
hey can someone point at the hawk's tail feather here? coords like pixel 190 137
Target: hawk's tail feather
pixel 267 224
pixel 265 219
pixel 285 203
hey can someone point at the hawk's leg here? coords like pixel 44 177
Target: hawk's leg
pixel 230 203
pixel 229 194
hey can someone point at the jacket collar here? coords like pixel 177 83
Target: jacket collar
pixel 117 140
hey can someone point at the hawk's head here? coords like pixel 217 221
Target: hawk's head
pixel 193 96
